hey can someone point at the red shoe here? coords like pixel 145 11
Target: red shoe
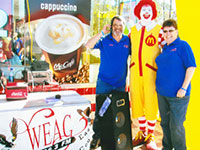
pixel 139 139
pixel 150 142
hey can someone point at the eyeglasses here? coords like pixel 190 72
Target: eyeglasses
pixel 170 31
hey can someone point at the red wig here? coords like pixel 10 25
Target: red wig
pixel 142 3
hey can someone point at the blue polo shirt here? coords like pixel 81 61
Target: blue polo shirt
pixel 114 55
pixel 172 65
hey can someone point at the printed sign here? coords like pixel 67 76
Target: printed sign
pixel 60 32
pixel 50 124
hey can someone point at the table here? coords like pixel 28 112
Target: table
pixel 46 121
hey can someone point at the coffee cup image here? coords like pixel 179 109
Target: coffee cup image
pixel 61 38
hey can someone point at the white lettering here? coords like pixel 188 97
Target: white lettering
pixel 16 94
pixel 56 7
pixel 46 6
pixel 65 65
pixel 62 7
pixel 50 7
pixel 42 6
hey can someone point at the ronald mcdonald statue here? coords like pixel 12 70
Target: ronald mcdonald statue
pixel 146 40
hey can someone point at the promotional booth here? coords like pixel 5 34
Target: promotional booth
pixel 51 120
pixel 49 103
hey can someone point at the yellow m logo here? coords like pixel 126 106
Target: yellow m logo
pixel 150 40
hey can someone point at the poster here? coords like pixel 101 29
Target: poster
pixel 58 31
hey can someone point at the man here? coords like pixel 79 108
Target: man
pixel 114 49
pixel 145 36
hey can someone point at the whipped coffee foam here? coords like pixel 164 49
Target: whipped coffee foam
pixel 60 34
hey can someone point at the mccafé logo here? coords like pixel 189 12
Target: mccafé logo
pixel 150 40
pixel 65 65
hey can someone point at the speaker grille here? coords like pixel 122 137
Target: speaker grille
pixel 122 141
pixel 115 125
pixel 120 119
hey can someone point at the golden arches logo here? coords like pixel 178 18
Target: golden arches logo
pixel 150 40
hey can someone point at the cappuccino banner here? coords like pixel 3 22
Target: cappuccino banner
pixel 46 123
pixel 38 9
pixel 59 30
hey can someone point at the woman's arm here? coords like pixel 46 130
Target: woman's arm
pixel 188 77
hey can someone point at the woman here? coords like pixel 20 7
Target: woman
pixel 176 66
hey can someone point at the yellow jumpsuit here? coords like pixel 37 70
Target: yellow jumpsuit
pixel 145 48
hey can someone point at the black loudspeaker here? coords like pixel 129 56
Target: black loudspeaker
pixel 39 66
pixel 115 124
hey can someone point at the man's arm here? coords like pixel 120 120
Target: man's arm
pixel 92 41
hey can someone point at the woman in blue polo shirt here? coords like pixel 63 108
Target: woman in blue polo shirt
pixel 176 66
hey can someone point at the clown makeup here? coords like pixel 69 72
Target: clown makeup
pixel 146 14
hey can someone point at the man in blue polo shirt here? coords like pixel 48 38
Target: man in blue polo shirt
pixel 114 51
pixel 176 66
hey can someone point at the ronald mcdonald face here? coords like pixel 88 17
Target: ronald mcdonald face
pixel 146 36
pixel 146 13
